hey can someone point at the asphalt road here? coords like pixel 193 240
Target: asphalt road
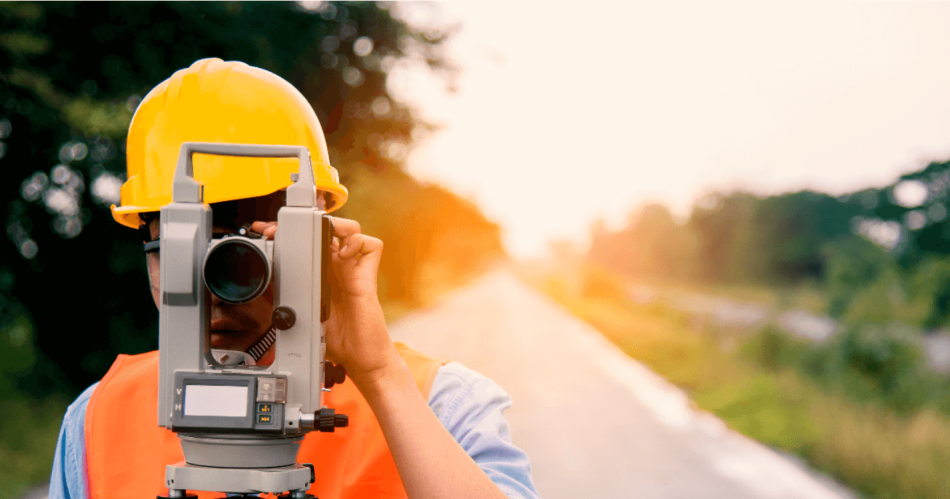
pixel 594 422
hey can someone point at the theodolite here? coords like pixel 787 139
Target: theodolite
pixel 240 426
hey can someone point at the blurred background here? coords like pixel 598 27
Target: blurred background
pixel 750 199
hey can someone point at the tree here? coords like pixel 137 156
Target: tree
pixel 722 225
pixel 71 75
pixel 789 231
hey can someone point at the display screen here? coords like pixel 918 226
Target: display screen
pixel 216 400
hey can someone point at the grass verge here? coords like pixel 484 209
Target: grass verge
pixel 27 439
pixel 866 445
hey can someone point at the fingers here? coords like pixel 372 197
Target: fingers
pixel 267 229
pixel 359 245
pixel 344 228
pixel 348 242
pixel 354 244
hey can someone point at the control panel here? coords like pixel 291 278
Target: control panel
pixel 228 403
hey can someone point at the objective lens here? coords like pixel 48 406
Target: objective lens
pixel 236 270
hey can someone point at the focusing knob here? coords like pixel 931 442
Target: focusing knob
pixel 333 374
pixel 283 318
pixel 341 421
pixel 329 420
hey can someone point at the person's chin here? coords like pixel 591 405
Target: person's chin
pixel 230 340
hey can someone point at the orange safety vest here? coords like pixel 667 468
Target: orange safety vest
pixel 126 450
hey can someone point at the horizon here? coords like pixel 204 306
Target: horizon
pixel 671 102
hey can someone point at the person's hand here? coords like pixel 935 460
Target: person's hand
pixel 357 336
pixel 422 449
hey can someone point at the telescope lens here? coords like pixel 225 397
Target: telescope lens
pixel 236 270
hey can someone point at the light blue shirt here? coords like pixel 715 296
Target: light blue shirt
pixel 470 406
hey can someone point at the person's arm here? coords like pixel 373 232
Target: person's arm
pixel 430 462
pixel 68 479
pixel 472 408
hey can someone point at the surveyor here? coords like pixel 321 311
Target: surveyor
pixel 418 426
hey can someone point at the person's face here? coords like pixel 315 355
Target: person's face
pixel 233 327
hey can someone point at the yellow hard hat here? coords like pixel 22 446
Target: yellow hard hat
pixel 218 101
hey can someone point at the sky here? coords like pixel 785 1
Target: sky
pixel 565 113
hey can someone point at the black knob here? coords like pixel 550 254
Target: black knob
pixel 283 318
pixel 333 374
pixel 313 473
pixel 328 420
pixel 341 421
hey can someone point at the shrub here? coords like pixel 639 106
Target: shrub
pixel 772 348
pixel 875 362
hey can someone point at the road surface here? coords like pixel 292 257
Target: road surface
pixel 594 422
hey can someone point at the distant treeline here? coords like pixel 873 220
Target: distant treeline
pixel 73 289
pixel 880 255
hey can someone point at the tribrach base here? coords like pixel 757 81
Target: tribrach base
pixel 181 477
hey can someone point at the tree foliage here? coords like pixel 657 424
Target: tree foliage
pixel 737 237
pixel 881 254
pixel 71 76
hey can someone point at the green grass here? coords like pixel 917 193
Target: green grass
pixel 807 296
pixel 865 444
pixel 27 441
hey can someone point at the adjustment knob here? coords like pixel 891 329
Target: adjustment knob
pixel 341 421
pixel 333 374
pixel 283 318
pixel 328 420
